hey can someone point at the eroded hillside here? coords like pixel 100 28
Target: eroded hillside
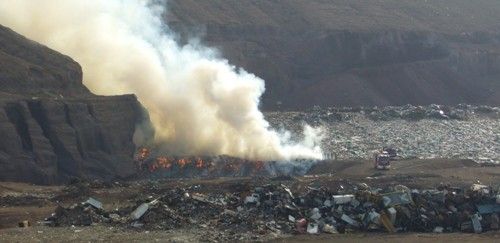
pixel 52 127
pixel 355 52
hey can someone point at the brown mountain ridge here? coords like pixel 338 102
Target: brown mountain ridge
pixel 355 52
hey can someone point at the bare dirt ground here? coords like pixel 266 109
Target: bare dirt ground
pixel 33 203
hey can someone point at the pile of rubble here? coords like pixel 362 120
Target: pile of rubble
pixel 418 132
pixel 275 209
pixel 406 112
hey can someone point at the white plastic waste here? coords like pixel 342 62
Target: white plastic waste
pixel 342 199
pixel 312 228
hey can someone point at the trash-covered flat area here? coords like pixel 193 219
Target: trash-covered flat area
pixel 345 201
pixel 460 132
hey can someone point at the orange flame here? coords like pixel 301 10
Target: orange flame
pixel 163 162
pixel 182 162
pixel 167 163
pixel 199 163
pixel 160 163
pixel 143 154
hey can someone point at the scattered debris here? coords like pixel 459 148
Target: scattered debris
pixel 476 224
pixel 275 208
pixel 94 203
pixel 342 199
pixel 438 229
pixel 349 220
pixel 386 222
pixel 396 198
pixel 330 229
pixel 139 211
pixel 24 224
pixel 312 228
pixel 301 225
pixel 488 208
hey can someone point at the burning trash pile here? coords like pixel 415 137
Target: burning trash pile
pixel 274 208
pixel 159 166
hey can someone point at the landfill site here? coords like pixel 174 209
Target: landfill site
pixel 250 121
pixel 421 197
pixel 417 132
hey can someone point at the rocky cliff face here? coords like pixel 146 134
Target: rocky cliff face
pixel 28 68
pixel 350 53
pixel 52 127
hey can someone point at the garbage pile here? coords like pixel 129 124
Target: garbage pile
pixel 418 132
pixel 410 112
pixel 407 112
pixel 274 208
pixel 82 214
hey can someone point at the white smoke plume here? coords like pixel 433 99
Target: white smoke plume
pixel 198 103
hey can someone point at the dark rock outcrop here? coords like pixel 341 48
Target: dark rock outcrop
pixel 52 127
pixel 28 68
pixel 352 52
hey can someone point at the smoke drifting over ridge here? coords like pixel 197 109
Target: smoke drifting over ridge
pixel 198 103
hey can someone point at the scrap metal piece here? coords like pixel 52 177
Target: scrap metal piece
pixel 254 198
pixel 342 199
pixel 203 198
pixel 287 190
pixel 327 203
pixel 396 198
pixel 488 208
pixel 139 211
pixel 476 223
pixel 392 214
pixel 142 209
pixel 349 220
pixel 94 203
pixel 315 214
